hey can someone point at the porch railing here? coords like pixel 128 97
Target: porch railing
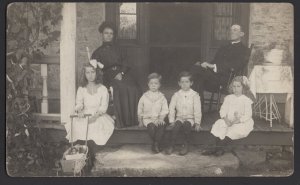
pixel 52 119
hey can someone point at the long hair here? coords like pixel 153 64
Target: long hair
pixel 245 84
pixel 99 75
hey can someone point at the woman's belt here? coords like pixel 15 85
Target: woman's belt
pixel 113 68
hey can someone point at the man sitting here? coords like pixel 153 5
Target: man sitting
pixel 210 75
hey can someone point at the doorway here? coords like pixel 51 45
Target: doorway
pixel 174 39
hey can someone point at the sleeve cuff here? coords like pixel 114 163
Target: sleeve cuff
pixel 215 68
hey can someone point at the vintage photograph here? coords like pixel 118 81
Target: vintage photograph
pixel 125 89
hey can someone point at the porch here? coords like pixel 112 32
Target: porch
pixel 263 134
pixel 54 105
pixel 49 119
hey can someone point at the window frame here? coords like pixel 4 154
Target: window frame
pixel 236 10
pixel 112 14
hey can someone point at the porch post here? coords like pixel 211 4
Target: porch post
pixel 67 61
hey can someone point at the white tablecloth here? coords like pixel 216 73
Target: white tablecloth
pixel 275 79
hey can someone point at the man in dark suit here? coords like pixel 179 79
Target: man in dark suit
pixel 231 57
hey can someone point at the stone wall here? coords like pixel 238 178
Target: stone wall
pixel 89 17
pixel 272 23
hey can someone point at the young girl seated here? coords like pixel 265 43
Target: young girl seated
pixel 185 112
pixel 152 110
pixel 92 98
pixel 236 116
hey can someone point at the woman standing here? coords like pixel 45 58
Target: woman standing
pixel 126 92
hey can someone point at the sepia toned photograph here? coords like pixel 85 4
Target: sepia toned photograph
pixel 173 89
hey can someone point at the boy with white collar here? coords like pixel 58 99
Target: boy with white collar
pixel 184 112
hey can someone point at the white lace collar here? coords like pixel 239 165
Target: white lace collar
pixel 154 96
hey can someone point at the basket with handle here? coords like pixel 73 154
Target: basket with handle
pixel 74 162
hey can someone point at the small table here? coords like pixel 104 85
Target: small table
pixel 267 80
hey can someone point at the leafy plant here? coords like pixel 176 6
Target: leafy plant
pixel 30 29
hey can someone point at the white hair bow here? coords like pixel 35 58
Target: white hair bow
pixel 94 63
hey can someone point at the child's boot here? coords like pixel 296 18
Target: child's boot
pixel 220 147
pixel 209 152
pixel 169 150
pixel 155 148
pixel 184 149
pixel 220 151
pixel 213 150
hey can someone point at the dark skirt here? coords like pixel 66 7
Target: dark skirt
pixel 126 94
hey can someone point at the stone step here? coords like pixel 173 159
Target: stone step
pixel 138 160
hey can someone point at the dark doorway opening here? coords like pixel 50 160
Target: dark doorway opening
pixel 174 39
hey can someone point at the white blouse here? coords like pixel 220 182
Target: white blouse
pixel 185 106
pixel 91 104
pixel 152 106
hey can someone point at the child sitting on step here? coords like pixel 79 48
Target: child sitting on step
pixel 184 112
pixel 92 98
pixel 152 110
pixel 236 116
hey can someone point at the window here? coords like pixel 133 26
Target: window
pixel 223 19
pixel 127 21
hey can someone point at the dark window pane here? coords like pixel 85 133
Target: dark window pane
pixel 127 27
pixel 221 27
pixel 222 20
pixel 223 9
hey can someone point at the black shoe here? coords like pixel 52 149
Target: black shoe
pixel 89 166
pixel 155 148
pixel 169 150
pixel 209 152
pixel 219 152
pixel 184 149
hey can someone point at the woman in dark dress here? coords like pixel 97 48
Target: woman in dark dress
pixel 126 92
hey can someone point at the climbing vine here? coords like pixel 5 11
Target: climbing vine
pixel 29 30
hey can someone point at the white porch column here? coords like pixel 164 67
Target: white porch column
pixel 67 61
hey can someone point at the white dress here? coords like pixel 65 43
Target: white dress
pixel 152 106
pixel 234 105
pixel 100 130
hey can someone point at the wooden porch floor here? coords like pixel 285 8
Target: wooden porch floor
pixel 209 118
pixel 263 134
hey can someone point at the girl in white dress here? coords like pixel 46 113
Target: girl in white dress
pixel 152 110
pixel 236 116
pixel 92 98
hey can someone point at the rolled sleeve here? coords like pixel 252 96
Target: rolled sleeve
pixel 215 68
pixel 248 112
pixel 164 109
pixel 140 107
pixel 172 108
pixel 79 99
pixel 197 109
pixel 224 108
pixel 104 101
